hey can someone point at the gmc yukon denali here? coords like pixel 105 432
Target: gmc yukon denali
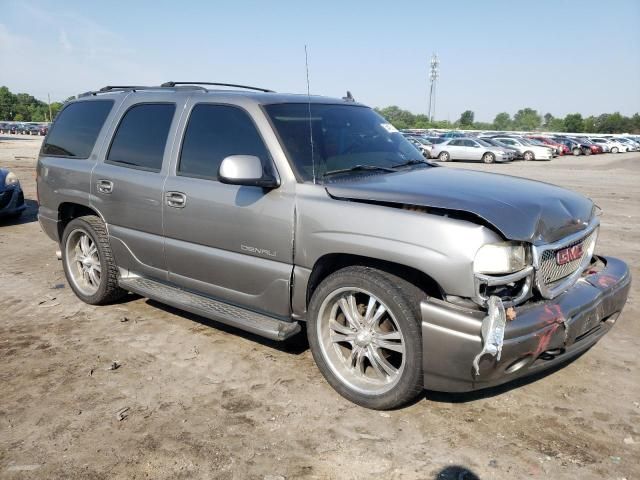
pixel 267 211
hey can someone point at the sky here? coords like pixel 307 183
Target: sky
pixel 554 56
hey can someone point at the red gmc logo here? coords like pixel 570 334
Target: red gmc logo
pixel 569 254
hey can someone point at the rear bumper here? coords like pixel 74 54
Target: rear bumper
pixel 542 335
pixel 49 225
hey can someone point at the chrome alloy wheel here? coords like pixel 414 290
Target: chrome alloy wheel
pixel 361 341
pixel 83 262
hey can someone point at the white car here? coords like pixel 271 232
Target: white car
pixel 472 149
pixel 610 143
pixel 527 150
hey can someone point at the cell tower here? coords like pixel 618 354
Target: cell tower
pixel 434 73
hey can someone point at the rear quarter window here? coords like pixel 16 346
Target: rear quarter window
pixel 75 130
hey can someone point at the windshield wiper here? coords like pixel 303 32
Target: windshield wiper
pixel 359 168
pixel 409 163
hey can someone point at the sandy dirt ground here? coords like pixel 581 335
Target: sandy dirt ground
pixel 194 399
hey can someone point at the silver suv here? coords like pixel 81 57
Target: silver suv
pixel 267 211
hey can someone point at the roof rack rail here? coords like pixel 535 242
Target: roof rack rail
pixel 173 84
pixel 130 88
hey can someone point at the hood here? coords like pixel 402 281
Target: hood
pixel 521 210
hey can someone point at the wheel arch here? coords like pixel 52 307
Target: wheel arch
pixel 67 211
pixel 332 262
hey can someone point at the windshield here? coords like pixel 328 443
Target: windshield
pixel 484 143
pixel 344 136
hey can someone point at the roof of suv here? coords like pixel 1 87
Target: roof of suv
pixel 259 97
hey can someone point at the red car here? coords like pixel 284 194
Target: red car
pixel 561 149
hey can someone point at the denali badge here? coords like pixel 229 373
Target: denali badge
pixel 569 254
pixel 258 251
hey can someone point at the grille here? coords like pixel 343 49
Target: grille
pixel 550 273
pixel 5 198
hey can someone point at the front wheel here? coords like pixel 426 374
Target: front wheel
pixel 444 157
pixel 528 156
pixel 587 151
pixel 488 158
pixel 88 261
pixel 576 152
pixel 365 336
pixel 614 150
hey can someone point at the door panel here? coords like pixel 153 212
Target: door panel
pixel 127 186
pixel 231 242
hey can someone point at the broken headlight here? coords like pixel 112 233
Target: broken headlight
pixel 500 258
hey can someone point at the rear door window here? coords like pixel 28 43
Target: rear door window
pixel 76 129
pixel 213 133
pixel 141 137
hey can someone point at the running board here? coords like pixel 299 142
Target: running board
pixel 241 318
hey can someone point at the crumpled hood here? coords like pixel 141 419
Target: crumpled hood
pixel 521 210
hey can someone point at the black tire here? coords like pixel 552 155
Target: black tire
pixel 614 150
pixel 108 290
pixel 587 151
pixel 444 157
pixel 488 157
pixel 528 155
pixel 403 301
pixel 576 151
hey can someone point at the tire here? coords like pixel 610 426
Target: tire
pixel 528 156
pixel 444 157
pixel 396 377
pixel 587 151
pixel 488 157
pixel 576 151
pixel 102 287
pixel 614 150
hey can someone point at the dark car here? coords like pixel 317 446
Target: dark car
pixel 594 147
pixel 8 128
pixel 576 146
pixel 11 196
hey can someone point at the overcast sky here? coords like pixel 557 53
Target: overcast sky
pixel 553 56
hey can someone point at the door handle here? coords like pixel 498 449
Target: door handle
pixel 176 199
pixel 105 186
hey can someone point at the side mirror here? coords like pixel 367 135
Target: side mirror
pixel 246 170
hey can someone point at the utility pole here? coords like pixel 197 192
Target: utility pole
pixel 49 99
pixel 434 73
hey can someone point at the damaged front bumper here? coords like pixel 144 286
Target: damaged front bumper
pixel 542 334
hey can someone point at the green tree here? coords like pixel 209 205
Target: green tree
pixel 574 123
pixel 547 119
pixel 556 125
pixel 590 124
pixel 466 119
pixel 526 119
pixel 502 121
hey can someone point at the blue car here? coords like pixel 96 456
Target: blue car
pixel 11 196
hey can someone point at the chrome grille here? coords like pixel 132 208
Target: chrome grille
pixel 551 274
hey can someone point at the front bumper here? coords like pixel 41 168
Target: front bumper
pixel 11 201
pixel 542 335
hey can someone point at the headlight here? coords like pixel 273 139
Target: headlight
pixel 499 258
pixel 10 179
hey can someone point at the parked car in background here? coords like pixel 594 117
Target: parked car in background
pixel 11 196
pixel 421 144
pixel 632 145
pixel 559 147
pixel 527 150
pixel 607 145
pixel 513 152
pixel 577 147
pixel 593 147
pixel 471 149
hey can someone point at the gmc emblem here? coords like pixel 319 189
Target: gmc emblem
pixel 569 254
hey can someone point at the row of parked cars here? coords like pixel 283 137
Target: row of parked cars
pixel 28 128
pixel 503 147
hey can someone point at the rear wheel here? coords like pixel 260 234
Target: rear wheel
pixel 488 157
pixel 587 151
pixel 528 156
pixel 576 151
pixel 88 261
pixel 614 150
pixel 365 336
pixel 444 157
